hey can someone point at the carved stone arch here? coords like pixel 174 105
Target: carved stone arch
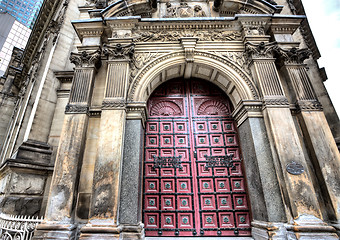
pixel 128 8
pixel 232 7
pixel 228 76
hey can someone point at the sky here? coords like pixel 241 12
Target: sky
pixel 324 19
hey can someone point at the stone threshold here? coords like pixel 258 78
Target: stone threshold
pixel 199 238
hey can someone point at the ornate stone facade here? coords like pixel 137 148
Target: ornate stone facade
pixel 74 109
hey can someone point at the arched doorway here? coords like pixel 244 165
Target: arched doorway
pixel 191 188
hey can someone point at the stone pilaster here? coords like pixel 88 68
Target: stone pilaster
pixel 59 223
pixel 132 174
pixel 290 163
pixel 315 128
pixel 103 222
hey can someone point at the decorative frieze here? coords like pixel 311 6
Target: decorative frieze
pixel 183 10
pixel 313 105
pixel 86 58
pixel 276 102
pixel 113 104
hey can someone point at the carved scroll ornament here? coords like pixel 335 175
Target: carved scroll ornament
pixel 262 50
pixel 294 55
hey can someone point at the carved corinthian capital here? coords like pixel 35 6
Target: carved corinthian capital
pixel 261 50
pixel 119 51
pixel 86 59
pixel 294 55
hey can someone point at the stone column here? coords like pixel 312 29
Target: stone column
pixel 59 219
pixel 267 204
pixel 315 128
pixel 132 173
pixel 291 166
pixel 103 222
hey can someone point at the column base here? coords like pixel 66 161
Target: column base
pixel 132 232
pixel 50 231
pixel 301 229
pixel 337 228
pixel 90 232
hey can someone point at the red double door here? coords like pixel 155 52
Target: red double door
pixel 187 196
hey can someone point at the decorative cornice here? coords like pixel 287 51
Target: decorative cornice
pixel 86 59
pixel 247 109
pixel 261 50
pixel 76 109
pixel 119 51
pixel 275 102
pixel 113 104
pixel 294 55
pixel 314 105
pixel 136 111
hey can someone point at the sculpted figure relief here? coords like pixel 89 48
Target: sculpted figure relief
pixel 183 10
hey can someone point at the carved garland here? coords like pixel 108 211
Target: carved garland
pixel 226 61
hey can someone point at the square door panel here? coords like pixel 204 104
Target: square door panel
pixel 222 185
pixel 230 140
pixel 151 186
pixel 216 140
pixel 168 172
pixel 168 203
pixel 226 219
pixel 202 140
pixel 185 171
pixel 242 219
pixel 150 153
pixel 152 127
pixel 167 152
pixel 151 202
pixel 237 171
pixel 151 220
pixel 181 141
pixel 218 151
pixel 180 127
pixel 166 127
pixel 240 201
pixel 183 185
pixel 228 126
pixel 206 185
pixel 215 126
pixel 201 126
pixel 152 141
pixel 201 152
pixel 221 171
pixel 203 171
pixel 208 202
pixel 234 152
pixel 150 171
pixel 184 203
pixel 168 220
pixel 224 202
pixel 185 220
pixel 168 186
pixel 167 141
pixel 184 153
pixel 209 220
pixel 237 184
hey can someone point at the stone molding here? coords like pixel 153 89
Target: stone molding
pixel 280 101
pixel 86 58
pixel 189 44
pixel 136 111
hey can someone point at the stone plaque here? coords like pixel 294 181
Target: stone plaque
pixel 295 168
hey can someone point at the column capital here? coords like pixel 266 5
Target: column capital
pixel 294 55
pixel 86 58
pixel 247 109
pixel 119 51
pixel 260 51
pixel 136 111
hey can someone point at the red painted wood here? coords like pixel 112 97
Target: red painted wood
pixel 188 117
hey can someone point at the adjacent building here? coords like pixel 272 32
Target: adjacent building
pixel 144 119
pixel 12 34
pixel 25 12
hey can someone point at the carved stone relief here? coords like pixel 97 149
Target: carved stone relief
pixel 119 51
pixel 262 50
pixel 183 10
pixel 86 58
pixel 166 108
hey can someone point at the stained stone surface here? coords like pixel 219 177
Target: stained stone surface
pixel 131 177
